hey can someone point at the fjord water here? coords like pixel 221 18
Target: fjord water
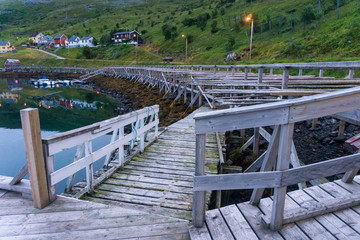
pixel 60 109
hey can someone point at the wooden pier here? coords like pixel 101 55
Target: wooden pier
pixel 163 191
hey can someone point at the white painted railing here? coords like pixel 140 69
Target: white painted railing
pixel 282 115
pixel 40 152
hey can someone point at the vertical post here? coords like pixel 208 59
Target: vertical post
pixel 342 125
pixel 89 169
pixel 280 26
pixel 338 10
pixel 156 134
pixel 269 29
pixel 121 148
pixel 200 98
pixel 285 79
pixel 142 139
pixel 260 75
pixel 300 72
pixel 35 158
pixel 246 74
pixel 251 36
pixel 271 71
pixel 199 197
pixel 286 134
pixel 321 73
pixel 291 20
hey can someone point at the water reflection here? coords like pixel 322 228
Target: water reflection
pixel 60 109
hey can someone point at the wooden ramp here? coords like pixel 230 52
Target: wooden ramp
pixel 69 218
pixel 160 180
pixel 242 221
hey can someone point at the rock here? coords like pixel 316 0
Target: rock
pixel 229 162
pixel 326 140
pixel 333 120
pixel 339 139
pixel 351 128
pixel 297 130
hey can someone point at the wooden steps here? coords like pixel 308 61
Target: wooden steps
pixel 160 180
pixel 242 221
pixel 69 218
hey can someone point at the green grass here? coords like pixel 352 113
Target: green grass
pixel 325 39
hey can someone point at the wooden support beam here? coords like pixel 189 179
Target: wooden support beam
pixel 285 78
pixel 246 74
pixel 267 163
pixel 286 134
pixel 89 169
pixel 20 175
pixel 78 155
pixel 256 142
pixel 342 125
pixel 199 197
pixel 35 158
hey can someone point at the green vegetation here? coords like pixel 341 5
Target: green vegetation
pixel 213 28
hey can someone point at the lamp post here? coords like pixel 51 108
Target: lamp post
pixel 249 18
pixel 137 42
pixel 186 46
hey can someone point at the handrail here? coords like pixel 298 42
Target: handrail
pixel 142 120
pixel 282 115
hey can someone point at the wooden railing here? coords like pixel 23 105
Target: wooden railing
pixel 40 152
pixel 282 115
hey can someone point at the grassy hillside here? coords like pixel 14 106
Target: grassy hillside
pixel 213 28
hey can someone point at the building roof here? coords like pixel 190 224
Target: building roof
pixel 128 32
pixel 12 61
pixel 86 38
pixel 3 43
pixel 58 36
pixel 73 38
pixel 34 35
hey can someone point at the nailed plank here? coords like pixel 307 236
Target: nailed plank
pixel 217 225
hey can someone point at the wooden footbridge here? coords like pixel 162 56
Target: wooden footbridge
pixel 161 189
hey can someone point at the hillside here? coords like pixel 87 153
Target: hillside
pixel 213 28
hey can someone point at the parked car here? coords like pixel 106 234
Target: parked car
pixel 168 59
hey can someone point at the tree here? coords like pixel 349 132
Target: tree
pixel 87 52
pixel 105 39
pixel 169 31
pixel 308 14
pixel 230 44
pixel 214 28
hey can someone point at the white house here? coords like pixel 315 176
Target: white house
pixel 35 38
pixel 74 41
pixel 87 42
pixel 46 40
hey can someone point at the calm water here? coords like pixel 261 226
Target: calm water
pixel 60 109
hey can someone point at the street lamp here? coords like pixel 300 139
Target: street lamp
pixel 249 18
pixel 186 47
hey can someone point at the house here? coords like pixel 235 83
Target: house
pixel 61 41
pixel 5 46
pixel 9 97
pixel 35 38
pixel 12 64
pixel 74 41
pixel 46 40
pixel 129 37
pixel 87 42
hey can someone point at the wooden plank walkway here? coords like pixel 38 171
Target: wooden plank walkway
pixel 160 180
pixel 69 218
pixel 242 221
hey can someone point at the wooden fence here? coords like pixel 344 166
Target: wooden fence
pixel 282 115
pixel 40 152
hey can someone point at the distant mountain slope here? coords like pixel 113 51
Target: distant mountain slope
pixel 284 30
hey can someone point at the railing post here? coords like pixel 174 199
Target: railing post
pixel 246 74
pixel 89 168
pixel 286 134
pixel 260 75
pixel 321 73
pixel 199 197
pixel 300 72
pixel 121 148
pixel 35 158
pixel 285 78
pixel 142 139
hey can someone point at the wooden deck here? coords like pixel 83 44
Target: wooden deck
pixel 69 218
pixel 160 180
pixel 242 221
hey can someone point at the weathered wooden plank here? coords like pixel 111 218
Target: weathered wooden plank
pixel 199 233
pixel 30 123
pixel 217 225
pixel 236 222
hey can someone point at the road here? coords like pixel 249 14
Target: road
pixel 52 54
